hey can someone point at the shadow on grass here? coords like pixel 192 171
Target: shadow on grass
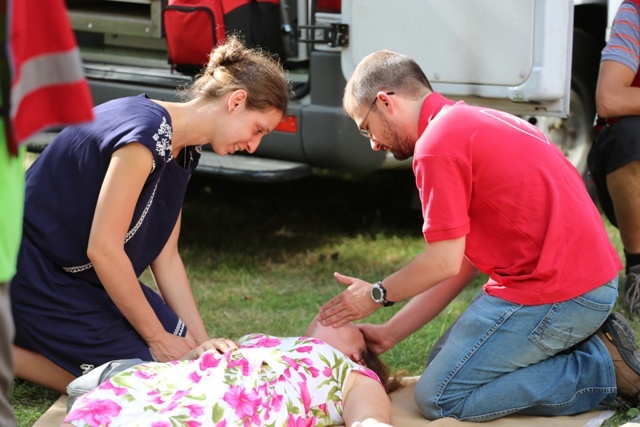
pixel 298 215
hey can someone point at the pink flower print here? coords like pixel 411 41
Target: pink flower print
pixel 95 413
pixel 195 377
pixel 272 403
pixel 195 411
pixel 209 360
pixel 245 404
pixel 155 397
pixel 305 395
pixel 179 394
pixel 222 423
pixel 161 423
pixel 193 423
pixel 108 385
pixel 323 408
pixel 170 407
pixel 265 342
pixel 276 401
pixel 314 371
pixel 304 349
pixel 291 362
pixel 305 361
pixel 300 421
pixel 327 371
pixel 143 374
pixel 243 363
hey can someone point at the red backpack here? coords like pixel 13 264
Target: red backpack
pixel 193 27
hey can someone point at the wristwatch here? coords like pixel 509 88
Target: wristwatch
pixel 379 295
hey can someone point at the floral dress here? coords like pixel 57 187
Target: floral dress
pixel 267 381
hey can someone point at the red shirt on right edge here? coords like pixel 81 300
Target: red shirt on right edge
pixel 529 222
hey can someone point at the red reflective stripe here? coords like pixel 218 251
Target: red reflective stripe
pixel 288 124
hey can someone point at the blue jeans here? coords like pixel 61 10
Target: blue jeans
pixel 503 358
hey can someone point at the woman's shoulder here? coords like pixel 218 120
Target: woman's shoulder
pixel 132 106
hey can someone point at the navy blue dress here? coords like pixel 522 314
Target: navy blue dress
pixel 60 308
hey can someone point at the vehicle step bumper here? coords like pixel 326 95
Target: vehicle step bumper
pixel 237 167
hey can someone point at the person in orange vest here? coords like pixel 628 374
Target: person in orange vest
pixel 40 67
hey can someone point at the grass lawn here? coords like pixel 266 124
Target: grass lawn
pixel 261 258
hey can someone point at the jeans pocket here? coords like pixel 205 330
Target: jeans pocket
pixel 568 323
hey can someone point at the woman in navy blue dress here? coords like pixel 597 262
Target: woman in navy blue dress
pixel 103 202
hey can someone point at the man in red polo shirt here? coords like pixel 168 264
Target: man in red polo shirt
pixel 500 198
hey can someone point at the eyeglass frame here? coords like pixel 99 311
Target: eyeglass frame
pixel 365 132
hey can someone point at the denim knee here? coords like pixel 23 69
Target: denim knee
pixel 425 395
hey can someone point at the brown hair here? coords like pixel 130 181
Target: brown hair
pixel 390 382
pixel 233 66
pixel 384 71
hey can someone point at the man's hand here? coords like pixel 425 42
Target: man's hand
pixel 351 304
pixel 378 340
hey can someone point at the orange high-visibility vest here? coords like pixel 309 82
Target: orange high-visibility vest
pixel 48 87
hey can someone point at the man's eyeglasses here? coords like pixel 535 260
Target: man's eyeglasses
pixel 365 132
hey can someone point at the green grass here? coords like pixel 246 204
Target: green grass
pixel 261 258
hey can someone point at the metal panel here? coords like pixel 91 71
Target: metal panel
pixel 131 17
pixel 518 50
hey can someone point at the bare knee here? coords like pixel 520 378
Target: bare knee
pixel 34 367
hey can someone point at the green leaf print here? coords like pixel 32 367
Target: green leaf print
pixel 217 413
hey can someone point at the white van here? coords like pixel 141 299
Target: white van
pixel 535 58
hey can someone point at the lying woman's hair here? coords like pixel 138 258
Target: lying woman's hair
pixel 390 382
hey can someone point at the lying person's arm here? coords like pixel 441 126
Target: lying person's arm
pixel 365 402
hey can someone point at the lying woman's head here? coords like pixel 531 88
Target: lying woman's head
pixel 350 341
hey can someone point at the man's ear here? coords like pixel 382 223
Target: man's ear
pixel 237 99
pixel 386 100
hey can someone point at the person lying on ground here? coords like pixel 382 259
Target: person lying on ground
pixel 324 378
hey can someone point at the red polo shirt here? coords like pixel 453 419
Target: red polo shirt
pixel 528 220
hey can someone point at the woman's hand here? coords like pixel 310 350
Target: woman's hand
pixel 169 347
pixel 220 345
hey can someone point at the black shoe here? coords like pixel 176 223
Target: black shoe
pixel 618 338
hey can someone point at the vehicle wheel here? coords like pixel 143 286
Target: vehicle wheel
pixel 574 134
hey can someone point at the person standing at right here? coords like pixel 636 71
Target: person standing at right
pixel 614 159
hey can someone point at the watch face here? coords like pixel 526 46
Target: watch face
pixel 377 294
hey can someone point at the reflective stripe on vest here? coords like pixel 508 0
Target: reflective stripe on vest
pixel 48 87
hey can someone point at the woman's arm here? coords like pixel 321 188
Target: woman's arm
pixel 171 278
pixel 365 402
pixel 128 170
